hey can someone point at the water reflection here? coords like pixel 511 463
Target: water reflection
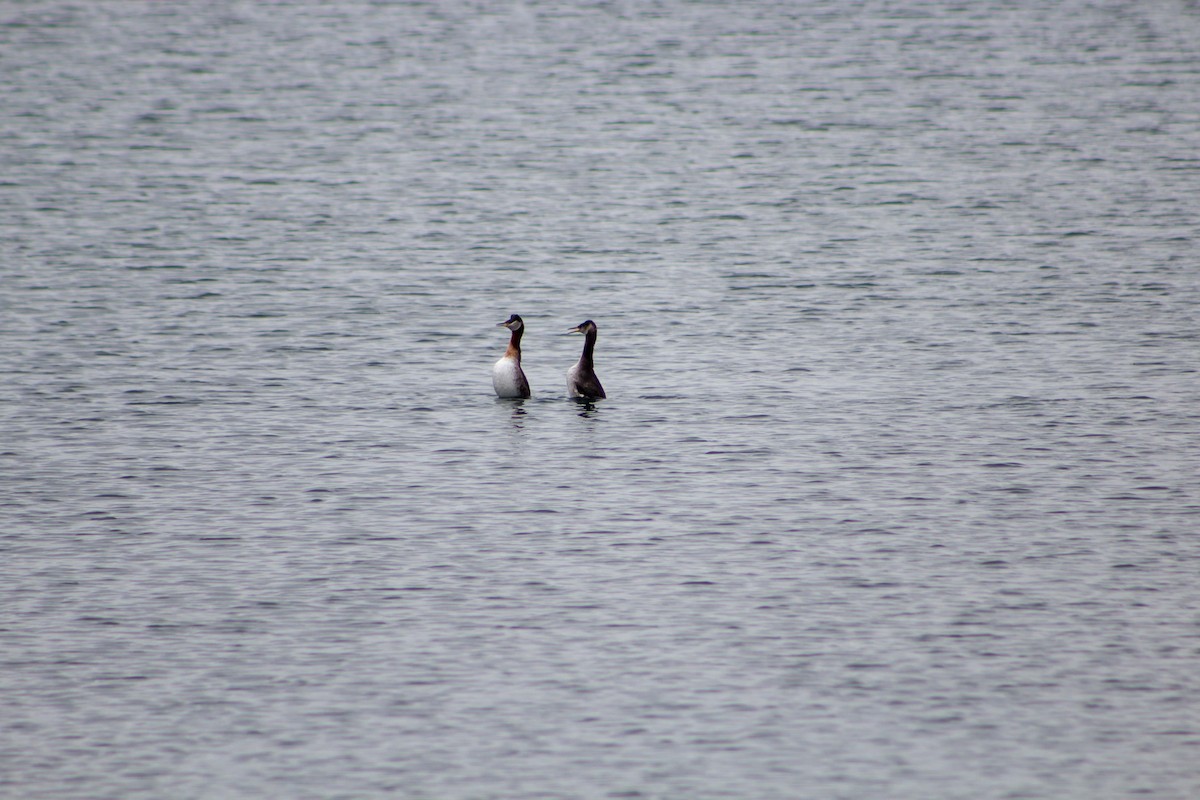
pixel 587 409
pixel 517 413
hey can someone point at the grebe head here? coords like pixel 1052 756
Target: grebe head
pixel 584 327
pixel 513 323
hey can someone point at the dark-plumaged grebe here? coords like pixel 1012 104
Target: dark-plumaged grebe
pixel 582 383
pixel 507 378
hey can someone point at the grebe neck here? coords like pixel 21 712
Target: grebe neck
pixel 514 344
pixel 589 345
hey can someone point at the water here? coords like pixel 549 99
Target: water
pixel 895 493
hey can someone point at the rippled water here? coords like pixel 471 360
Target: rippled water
pixel 895 494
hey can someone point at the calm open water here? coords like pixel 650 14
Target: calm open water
pixel 896 494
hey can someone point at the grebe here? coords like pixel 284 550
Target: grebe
pixel 582 383
pixel 507 378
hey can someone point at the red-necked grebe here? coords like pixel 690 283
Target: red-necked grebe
pixel 582 383
pixel 507 378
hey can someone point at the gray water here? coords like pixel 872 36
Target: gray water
pixel 896 493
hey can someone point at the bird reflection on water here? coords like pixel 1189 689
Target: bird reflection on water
pixel 518 411
pixel 587 409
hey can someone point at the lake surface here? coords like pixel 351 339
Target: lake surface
pixel 896 493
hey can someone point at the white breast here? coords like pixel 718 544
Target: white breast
pixel 507 378
pixel 573 381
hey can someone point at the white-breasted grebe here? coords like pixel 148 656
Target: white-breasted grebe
pixel 582 383
pixel 507 377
